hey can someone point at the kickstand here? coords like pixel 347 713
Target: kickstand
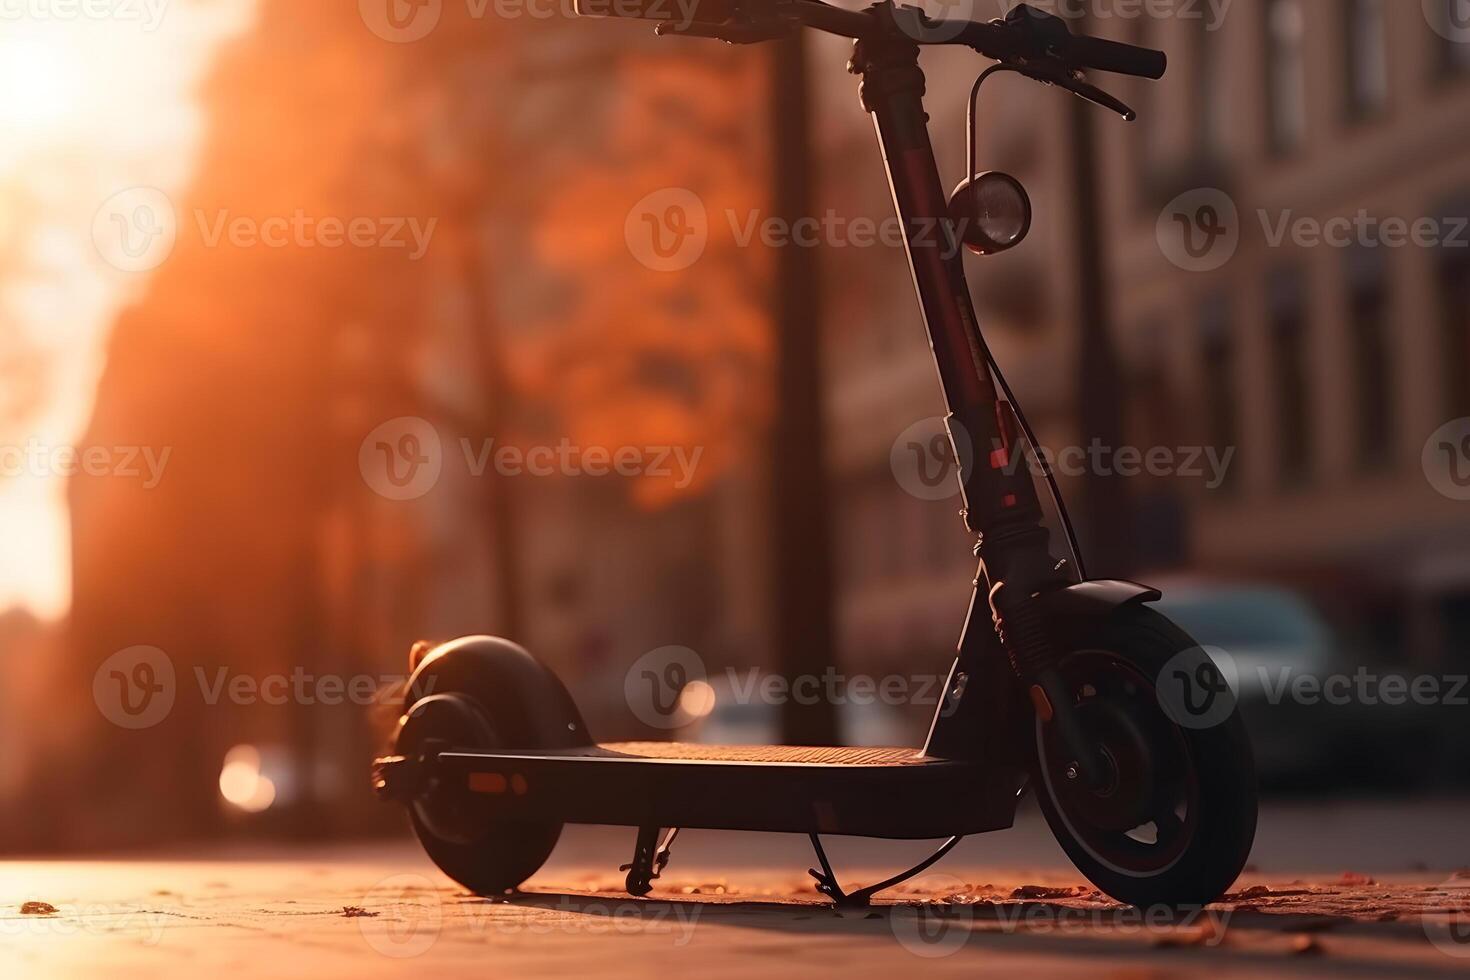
pixel 649 859
pixel 828 885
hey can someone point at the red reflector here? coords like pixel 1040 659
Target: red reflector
pixel 487 782
pixel 1009 500
pixel 999 459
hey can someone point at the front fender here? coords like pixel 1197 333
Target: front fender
pixel 1094 598
pixel 983 714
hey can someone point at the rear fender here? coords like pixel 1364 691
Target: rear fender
pixel 525 703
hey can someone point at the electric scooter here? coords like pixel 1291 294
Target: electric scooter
pixel 1060 684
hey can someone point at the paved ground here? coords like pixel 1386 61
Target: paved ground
pixel 1361 890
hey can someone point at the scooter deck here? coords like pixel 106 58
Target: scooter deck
pixel 869 792
pixel 788 754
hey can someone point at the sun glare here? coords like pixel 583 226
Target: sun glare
pixel 42 78
pixel 89 106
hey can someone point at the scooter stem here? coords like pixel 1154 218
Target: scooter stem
pixel 1000 504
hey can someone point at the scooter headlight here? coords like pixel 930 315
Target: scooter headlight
pixel 991 212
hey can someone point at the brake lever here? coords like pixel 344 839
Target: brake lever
pixel 1073 82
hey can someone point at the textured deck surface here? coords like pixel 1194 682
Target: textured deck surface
pixel 842 756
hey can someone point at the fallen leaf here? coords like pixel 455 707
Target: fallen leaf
pixel 357 912
pixel 38 908
pixel 1043 891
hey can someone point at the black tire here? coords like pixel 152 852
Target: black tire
pixel 483 693
pixel 1195 782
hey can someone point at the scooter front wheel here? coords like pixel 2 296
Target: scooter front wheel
pixel 1173 822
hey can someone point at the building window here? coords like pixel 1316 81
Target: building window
pixel 1368 325
pixel 1288 325
pixel 1150 409
pixel 1454 305
pixel 1365 56
pixel 1451 24
pixel 1286 97
pixel 1217 350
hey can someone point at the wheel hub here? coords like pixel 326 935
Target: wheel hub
pixel 1123 801
pixel 435 724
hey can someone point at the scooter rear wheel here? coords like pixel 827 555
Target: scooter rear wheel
pixel 1174 823
pixel 459 829
pixel 482 693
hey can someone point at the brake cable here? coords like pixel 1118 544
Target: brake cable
pixel 1047 474
pixel 826 878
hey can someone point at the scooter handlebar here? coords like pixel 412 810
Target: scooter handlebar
pixel 1025 34
pixel 1101 54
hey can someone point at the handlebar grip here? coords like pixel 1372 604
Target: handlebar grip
pixel 675 11
pixel 1115 56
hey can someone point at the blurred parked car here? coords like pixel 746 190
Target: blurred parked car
pixel 1308 734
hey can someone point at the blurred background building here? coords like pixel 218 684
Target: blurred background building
pixel 1317 373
